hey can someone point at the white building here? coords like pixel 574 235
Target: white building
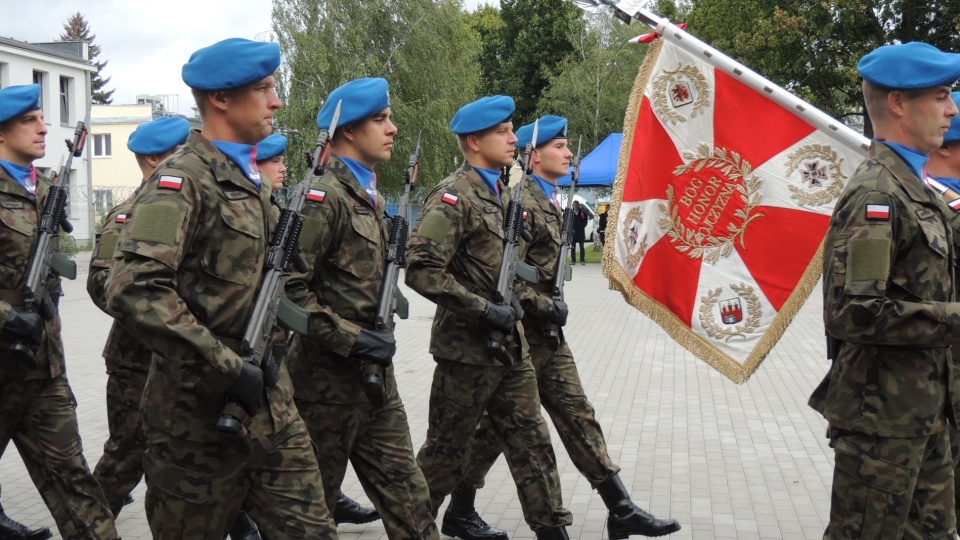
pixel 63 70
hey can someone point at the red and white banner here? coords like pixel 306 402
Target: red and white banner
pixel 722 201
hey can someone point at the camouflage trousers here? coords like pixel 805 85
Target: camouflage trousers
pixel 195 490
pixel 377 443
pixel 41 419
pixel 459 396
pixel 561 393
pixel 892 488
pixel 121 466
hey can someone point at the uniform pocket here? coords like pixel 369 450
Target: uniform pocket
pixel 933 231
pixel 872 489
pixel 184 483
pixel 360 254
pixel 234 251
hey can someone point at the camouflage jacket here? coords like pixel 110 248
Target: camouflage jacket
pixel 184 280
pixel 20 217
pixel 544 222
pixel 453 259
pixel 889 297
pixel 345 240
pixel 122 350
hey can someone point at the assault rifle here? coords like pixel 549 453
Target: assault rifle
pixel 391 299
pixel 272 306
pixel 46 258
pixel 510 266
pixel 551 331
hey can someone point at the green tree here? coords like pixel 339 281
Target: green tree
pixel 489 26
pixel 812 48
pixel 424 48
pixel 592 86
pixel 537 38
pixel 77 29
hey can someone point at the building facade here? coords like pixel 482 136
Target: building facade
pixel 115 171
pixel 63 71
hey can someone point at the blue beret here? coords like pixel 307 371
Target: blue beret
pixel 910 66
pixel 273 146
pixel 231 63
pixel 483 113
pixel 953 134
pixel 361 98
pixel 158 136
pixel 551 127
pixel 17 100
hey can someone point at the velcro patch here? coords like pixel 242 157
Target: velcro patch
pixel 449 198
pixel 316 195
pixel 170 182
pixel 878 211
pixel 434 226
pixel 156 223
pixel 108 245
pixel 121 218
pixel 236 195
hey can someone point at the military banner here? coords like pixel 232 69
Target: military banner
pixel 723 195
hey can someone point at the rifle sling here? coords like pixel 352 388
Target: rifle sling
pixel 14 297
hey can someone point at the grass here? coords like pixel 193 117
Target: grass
pixel 591 255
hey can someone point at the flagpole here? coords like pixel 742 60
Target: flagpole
pixel 812 115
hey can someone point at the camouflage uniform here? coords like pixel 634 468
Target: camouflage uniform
pixel 184 278
pixel 888 297
pixel 345 238
pixel 37 406
pixel 454 260
pixel 128 362
pixel 557 378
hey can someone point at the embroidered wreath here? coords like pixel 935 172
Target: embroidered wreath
pixel 748 326
pixel 831 190
pixel 659 98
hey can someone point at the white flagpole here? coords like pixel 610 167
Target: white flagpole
pixel 812 115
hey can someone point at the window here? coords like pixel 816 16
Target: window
pixel 101 145
pixel 65 101
pixel 38 77
pixel 102 200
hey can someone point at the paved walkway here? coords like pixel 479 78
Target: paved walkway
pixel 728 461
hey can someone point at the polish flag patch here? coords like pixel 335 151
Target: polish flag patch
pixel 121 218
pixel 878 211
pixel 449 198
pixel 955 204
pixel 170 182
pixel 316 195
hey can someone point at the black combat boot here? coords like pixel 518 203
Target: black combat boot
pixel 348 510
pixel 559 533
pixel 11 530
pixel 244 528
pixel 461 519
pixel 625 518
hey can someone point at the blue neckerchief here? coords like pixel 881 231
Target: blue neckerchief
pixel 24 175
pixel 952 183
pixel 915 160
pixel 490 178
pixel 549 189
pixel 244 155
pixel 364 175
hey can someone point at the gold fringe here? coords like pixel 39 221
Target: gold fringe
pixel 677 329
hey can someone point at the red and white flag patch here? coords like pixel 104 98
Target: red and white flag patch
pixel 121 218
pixel 170 182
pixel 316 195
pixel 955 204
pixel 449 198
pixel 878 211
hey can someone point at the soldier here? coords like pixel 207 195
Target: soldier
pixel 557 378
pixel 345 239
pixel 272 164
pixel 270 160
pixel 14 530
pixel 37 406
pixel 184 277
pixel 128 360
pixel 454 260
pixel 943 169
pixel 890 312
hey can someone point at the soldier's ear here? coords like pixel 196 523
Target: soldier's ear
pixel 895 101
pixel 217 100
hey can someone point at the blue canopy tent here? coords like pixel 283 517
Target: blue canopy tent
pixel 599 167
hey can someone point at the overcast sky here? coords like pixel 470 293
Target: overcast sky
pixel 146 43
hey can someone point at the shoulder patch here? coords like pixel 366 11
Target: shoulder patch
pixel 170 182
pixel 450 198
pixel 955 204
pixel 878 212
pixel 121 218
pixel 316 195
